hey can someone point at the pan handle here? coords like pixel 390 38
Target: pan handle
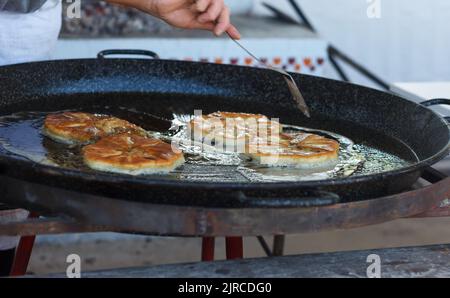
pixel 310 199
pixel 437 101
pixel 104 53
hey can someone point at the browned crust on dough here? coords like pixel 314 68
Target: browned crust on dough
pixel 216 122
pixel 302 146
pixel 131 152
pixel 83 128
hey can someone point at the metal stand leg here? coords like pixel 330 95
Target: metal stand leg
pixel 278 245
pixel 23 253
pixel 208 244
pixel 234 248
pixel 264 246
pixel 6 261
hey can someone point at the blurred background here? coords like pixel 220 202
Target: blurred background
pixel 402 43
pixel 402 40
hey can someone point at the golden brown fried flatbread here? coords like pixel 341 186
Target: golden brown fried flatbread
pixel 83 128
pixel 132 154
pixel 228 128
pixel 301 150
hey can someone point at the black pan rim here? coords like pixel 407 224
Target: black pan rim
pixel 5 160
pixel 147 60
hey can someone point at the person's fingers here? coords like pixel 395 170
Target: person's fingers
pixel 211 26
pixel 223 22
pixel 204 26
pixel 233 32
pixel 213 12
pixel 201 5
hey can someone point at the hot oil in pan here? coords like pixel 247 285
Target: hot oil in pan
pixel 354 159
pixel 20 134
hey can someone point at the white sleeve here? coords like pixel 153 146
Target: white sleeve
pixel 29 37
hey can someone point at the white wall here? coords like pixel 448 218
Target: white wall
pixel 410 42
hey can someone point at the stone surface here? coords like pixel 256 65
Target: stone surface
pixel 108 250
pixel 413 262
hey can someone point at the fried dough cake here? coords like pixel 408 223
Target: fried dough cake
pixel 261 139
pixel 132 154
pixel 233 130
pixel 299 150
pixel 84 128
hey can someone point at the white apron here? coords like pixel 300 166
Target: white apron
pixel 29 37
pixel 25 38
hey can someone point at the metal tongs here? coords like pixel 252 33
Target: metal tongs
pixel 293 88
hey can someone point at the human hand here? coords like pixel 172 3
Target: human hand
pixel 212 15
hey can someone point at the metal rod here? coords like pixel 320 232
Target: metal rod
pixel 436 101
pixel 234 248
pixel 208 245
pixel 338 68
pixel 292 85
pixel 302 16
pixel 432 175
pixel 22 257
pixel 335 53
pixel 36 226
pixel 282 71
pixel 283 16
pixel 23 252
pixel 278 245
pixel 264 245
pixel 247 51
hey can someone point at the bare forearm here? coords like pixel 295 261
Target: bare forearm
pixel 212 15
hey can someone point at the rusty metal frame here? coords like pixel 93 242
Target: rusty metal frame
pixel 39 226
pixel 123 216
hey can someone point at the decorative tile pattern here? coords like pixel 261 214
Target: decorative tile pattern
pixel 292 64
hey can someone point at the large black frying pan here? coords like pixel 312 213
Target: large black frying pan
pixel 163 87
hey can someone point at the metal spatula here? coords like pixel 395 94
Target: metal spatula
pixel 293 88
